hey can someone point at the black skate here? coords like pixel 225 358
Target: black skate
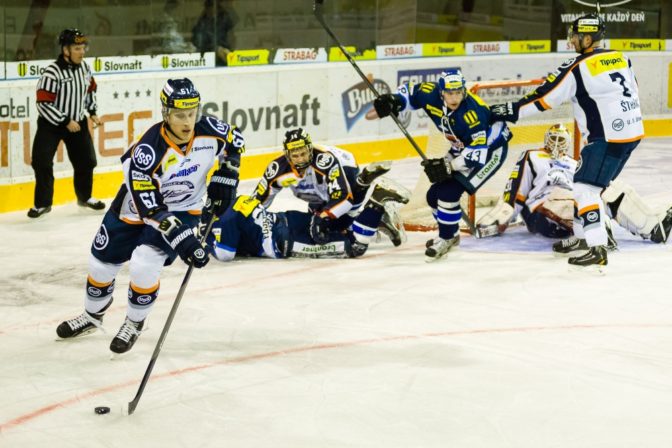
pixel 126 337
pixel 372 172
pixel 612 244
pixel 569 246
pixel 81 325
pixel 661 232
pixel 387 190
pixel 37 212
pixel 595 257
pixel 438 247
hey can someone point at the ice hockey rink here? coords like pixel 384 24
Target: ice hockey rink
pixel 497 345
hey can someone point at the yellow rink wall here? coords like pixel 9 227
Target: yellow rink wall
pixel 20 196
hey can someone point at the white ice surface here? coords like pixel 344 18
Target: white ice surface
pixel 498 345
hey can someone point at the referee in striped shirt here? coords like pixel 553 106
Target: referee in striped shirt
pixel 65 91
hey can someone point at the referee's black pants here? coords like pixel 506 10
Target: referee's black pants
pixel 80 151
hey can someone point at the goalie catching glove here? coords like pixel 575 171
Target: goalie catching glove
pixel 437 170
pixel 221 191
pixel 387 104
pixel 183 241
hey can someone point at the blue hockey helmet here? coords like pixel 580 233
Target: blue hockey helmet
pixel 452 79
pixel 589 25
pixel 180 94
pixel 72 36
pixel 297 139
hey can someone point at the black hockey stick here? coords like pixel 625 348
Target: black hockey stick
pixel 134 403
pixel 319 15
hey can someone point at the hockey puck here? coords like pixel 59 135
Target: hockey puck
pixel 102 410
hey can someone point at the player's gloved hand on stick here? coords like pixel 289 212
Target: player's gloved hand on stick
pixel 437 170
pixel 221 191
pixel 504 112
pixel 319 229
pixel 182 239
pixel 387 104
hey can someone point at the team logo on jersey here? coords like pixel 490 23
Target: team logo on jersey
pixel 185 171
pixel 218 125
pixel 101 239
pixel 617 125
pixel 324 160
pixel 144 156
pixel 272 170
pixel 592 216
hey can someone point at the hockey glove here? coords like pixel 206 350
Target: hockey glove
pixel 504 112
pixel 387 104
pixel 221 191
pixel 437 170
pixel 319 229
pixel 183 241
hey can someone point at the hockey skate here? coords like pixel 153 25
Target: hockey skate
pixel 612 244
pixel 92 203
pixel 372 172
pixel 126 337
pixel 438 247
pixel 391 225
pixel 661 232
pixel 387 190
pixel 569 246
pixel 37 212
pixel 81 325
pixel 596 257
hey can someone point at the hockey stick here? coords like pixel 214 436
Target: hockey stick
pixel 319 15
pixel 134 403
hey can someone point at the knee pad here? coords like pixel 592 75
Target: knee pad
pixel 145 266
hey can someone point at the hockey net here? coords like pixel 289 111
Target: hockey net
pixel 527 134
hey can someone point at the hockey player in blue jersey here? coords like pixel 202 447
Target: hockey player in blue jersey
pixel 248 229
pixel 151 219
pixel 329 180
pixel 477 149
pixel 604 94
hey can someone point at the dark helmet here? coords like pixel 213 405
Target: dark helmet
pixel 452 79
pixel 589 25
pixel 72 36
pixel 179 94
pixel 297 139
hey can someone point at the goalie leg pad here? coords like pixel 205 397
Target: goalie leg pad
pixel 629 210
pixel 496 220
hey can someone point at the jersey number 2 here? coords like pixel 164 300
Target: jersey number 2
pixel 617 77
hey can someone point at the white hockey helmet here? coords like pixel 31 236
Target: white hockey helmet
pixel 557 141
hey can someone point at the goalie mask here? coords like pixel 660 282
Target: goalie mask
pixel 298 148
pixel 557 141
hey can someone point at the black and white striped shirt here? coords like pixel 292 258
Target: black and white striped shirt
pixel 65 91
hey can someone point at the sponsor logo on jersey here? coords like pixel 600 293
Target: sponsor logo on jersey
pixel 334 173
pixel 143 185
pixel 217 125
pixel 185 172
pixel 605 63
pixel 617 125
pixel 592 216
pixel 101 239
pixel 324 160
pixel 135 175
pixel 144 156
pixel 177 191
pixel 200 148
pixel 272 170
pixel 358 100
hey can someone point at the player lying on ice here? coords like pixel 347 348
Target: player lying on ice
pixel 540 191
pixel 248 229
pixel 329 180
pixel 477 149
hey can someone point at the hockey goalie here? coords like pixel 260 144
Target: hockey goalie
pixel 539 190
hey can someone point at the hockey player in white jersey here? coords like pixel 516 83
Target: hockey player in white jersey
pixel 151 219
pixel 540 190
pixel 603 90
pixel 329 180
